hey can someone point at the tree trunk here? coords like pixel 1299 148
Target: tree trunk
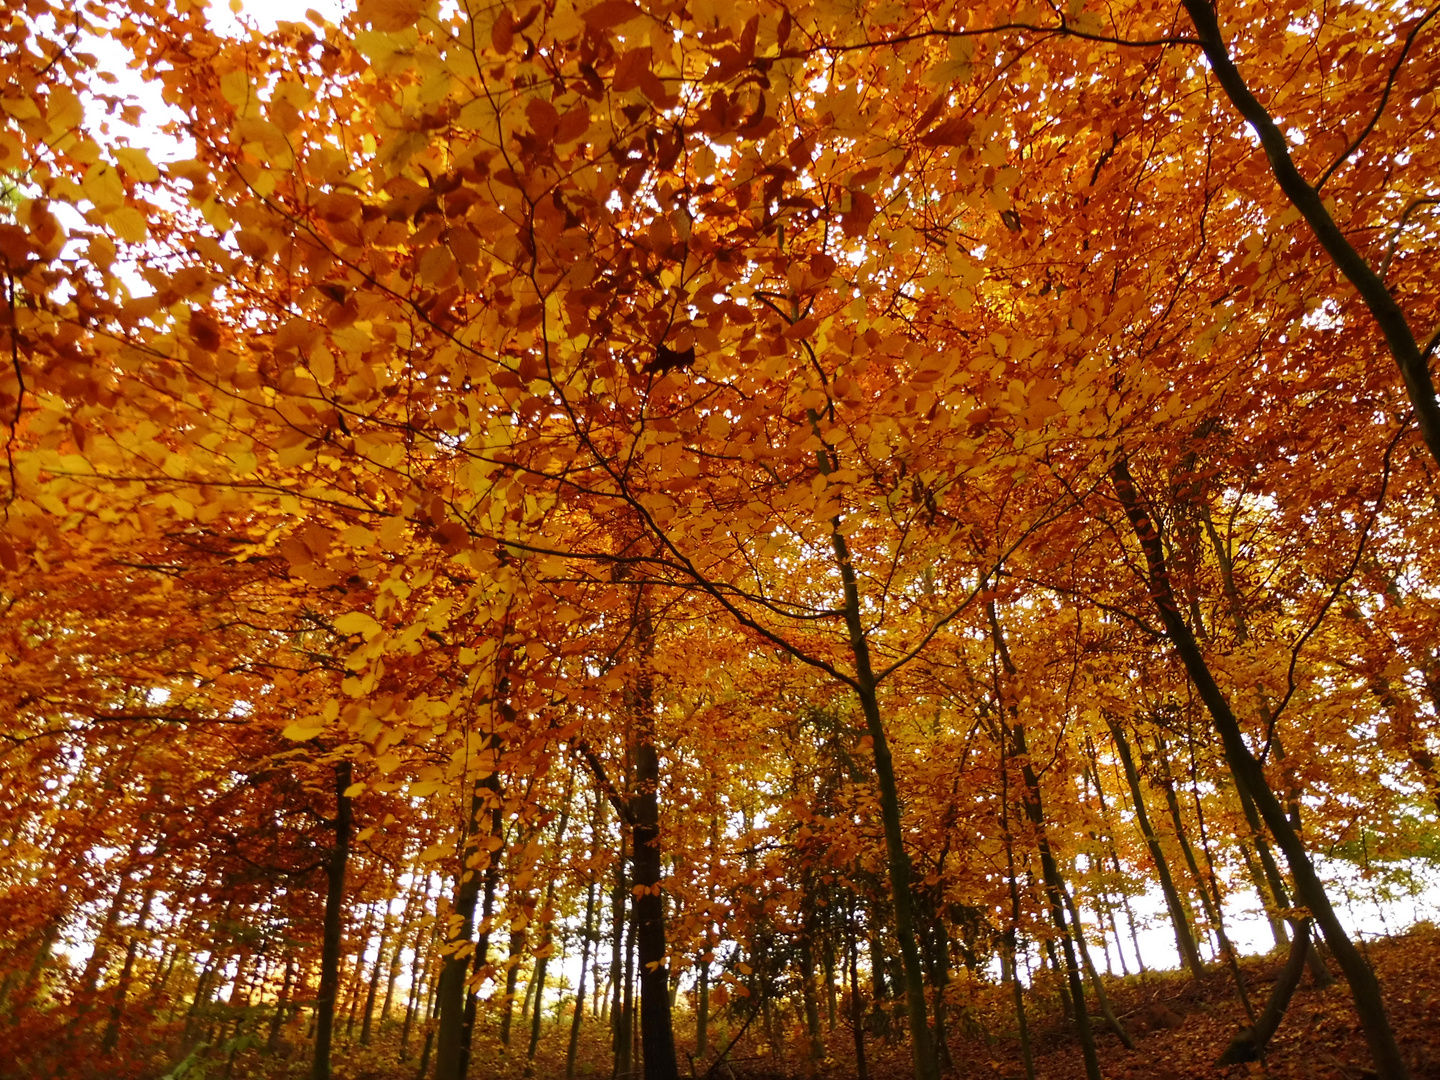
pixel 1250 774
pixel 656 1033
pixel 122 988
pixel 1055 890
pixel 1011 943
pixel 1078 933
pixel 897 859
pixel 282 1003
pixel 357 972
pixel 330 935
pixel 452 1041
pixel 857 998
pixel 578 1018
pixel 1250 1044
pixel 1184 940
pixel 375 969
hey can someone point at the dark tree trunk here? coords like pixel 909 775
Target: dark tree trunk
pixel 657 1036
pixel 127 972
pixel 1184 939
pixel 1250 775
pixel 375 970
pixel 330 936
pixel 452 1041
pixel 1250 1044
pixel 578 1019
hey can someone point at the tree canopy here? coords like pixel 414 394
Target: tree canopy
pixel 799 502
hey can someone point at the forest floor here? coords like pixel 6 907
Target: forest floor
pixel 1180 1026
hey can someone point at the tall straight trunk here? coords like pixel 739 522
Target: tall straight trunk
pixel 95 965
pixel 375 970
pixel 1055 891
pixel 357 971
pixel 415 1000
pixel 940 979
pixel 810 999
pixel 579 1018
pixel 1096 983
pixel 330 935
pixel 625 1012
pixel 618 999
pixel 1011 943
pixel 548 935
pixel 397 958
pixel 897 858
pixel 657 1035
pixel 1250 774
pixel 1267 860
pixel 1166 784
pixel 702 1009
pixel 127 972
pixel 516 947
pixel 455 1005
pixel 1184 940
pixel 433 1013
pixel 282 1004
pixel 857 999
pixel 1033 804
pixel 828 957
pixel 1093 775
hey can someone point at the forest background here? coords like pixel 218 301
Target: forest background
pixel 825 506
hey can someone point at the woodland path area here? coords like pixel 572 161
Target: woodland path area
pixel 1179 1023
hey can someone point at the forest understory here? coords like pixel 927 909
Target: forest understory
pixel 1180 1026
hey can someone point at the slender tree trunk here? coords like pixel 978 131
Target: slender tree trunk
pixel 1184 940
pixel 122 988
pixel 1078 932
pixel 857 997
pixel 810 1000
pixel 897 858
pixel 415 999
pixel 375 969
pixel 330 935
pixel 512 976
pixel 1035 811
pixel 452 1042
pixel 282 1003
pixel 1250 1044
pixel 578 1019
pixel 1055 889
pixel 407 917
pixel 656 1033
pixel 357 972
pixel 1250 774
pixel 1011 943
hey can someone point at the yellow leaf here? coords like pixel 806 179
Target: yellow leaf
pixel 236 89
pixel 63 110
pixel 434 851
pixel 356 622
pixel 137 163
pixel 301 730
pixel 102 186
pixel 128 224
pixel 388 16
pixel 353 790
